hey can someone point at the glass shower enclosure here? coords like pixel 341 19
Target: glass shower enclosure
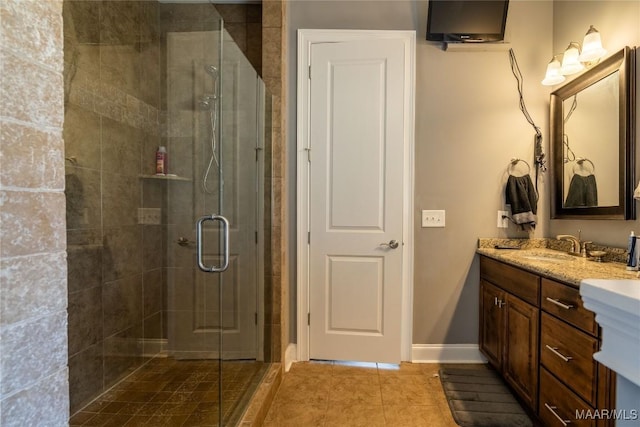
pixel 215 284
pixel 166 271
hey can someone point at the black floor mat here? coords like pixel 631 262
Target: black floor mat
pixel 478 397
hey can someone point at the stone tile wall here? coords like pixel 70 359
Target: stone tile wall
pixel 273 73
pixel 111 131
pixel 33 271
pixel 244 24
pixel 33 278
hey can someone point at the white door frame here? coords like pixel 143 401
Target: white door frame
pixel 305 39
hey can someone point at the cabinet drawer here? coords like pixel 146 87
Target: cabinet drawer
pixel 518 282
pixel 568 353
pixel 559 406
pixel 564 302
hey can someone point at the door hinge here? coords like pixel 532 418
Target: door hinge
pixel 255 317
pixel 309 71
pixel 308 150
pixel 308 319
pixel 256 232
pixel 308 237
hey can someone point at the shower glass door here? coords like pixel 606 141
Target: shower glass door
pixel 240 201
pixel 215 139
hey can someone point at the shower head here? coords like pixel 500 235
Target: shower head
pixel 207 101
pixel 212 70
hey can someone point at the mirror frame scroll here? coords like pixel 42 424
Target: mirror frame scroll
pixel 623 61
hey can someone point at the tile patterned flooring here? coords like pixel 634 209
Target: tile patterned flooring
pixel 172 393
pixel 175 393
pixel 349 395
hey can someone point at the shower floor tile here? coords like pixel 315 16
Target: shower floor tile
pixel 174 393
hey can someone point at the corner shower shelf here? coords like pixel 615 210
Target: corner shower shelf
pixel 165 177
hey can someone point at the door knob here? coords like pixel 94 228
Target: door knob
pixel 392 244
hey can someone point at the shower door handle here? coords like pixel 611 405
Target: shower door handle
pixel 225 249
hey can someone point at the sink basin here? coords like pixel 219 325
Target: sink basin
pixel 548 257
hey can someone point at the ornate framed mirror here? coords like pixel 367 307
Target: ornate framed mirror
pixel 593 142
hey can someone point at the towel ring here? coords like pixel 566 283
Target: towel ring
pixel 515 161
pixel 580 161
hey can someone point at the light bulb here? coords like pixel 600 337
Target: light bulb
pixel 570 61
pixel 592 49
pixel 553 75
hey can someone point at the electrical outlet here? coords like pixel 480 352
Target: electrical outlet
pixel 149 216
pixel 433 218
pixel 503 221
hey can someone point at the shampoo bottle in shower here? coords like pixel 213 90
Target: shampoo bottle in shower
pixel 161 160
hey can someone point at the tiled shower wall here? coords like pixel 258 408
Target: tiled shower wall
pixel 115 259
pixel 273 73
pixel 114 122
pixel 244 24
pixel 33 278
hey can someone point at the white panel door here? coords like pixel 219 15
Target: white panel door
pixel 357 117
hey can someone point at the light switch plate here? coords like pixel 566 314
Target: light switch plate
pixel 431 218
pixel 149 216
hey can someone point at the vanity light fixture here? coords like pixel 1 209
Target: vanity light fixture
pixel 573 60
pixel 570 60
pixel 592 49
pixel 553 75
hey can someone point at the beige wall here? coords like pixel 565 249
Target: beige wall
pixel 33 269
pixel 468 127
pixel 619 26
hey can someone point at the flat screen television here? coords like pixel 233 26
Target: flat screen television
pixel 467 20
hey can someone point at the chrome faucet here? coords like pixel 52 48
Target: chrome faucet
pixel 578 247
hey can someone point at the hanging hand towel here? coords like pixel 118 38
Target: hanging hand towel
pixel 583 191
pixel 521 195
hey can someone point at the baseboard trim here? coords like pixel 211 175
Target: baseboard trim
pixel 446 353
pixel 290 356
pixel 153 347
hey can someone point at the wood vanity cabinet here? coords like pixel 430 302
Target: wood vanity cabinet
pixel 537 334
pixel 509 325
pixel 570 378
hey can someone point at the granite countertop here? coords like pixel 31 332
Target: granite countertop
pixel 544 257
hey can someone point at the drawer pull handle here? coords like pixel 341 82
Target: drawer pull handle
pixel 559 304
pixel 555 351
pixel 555 414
